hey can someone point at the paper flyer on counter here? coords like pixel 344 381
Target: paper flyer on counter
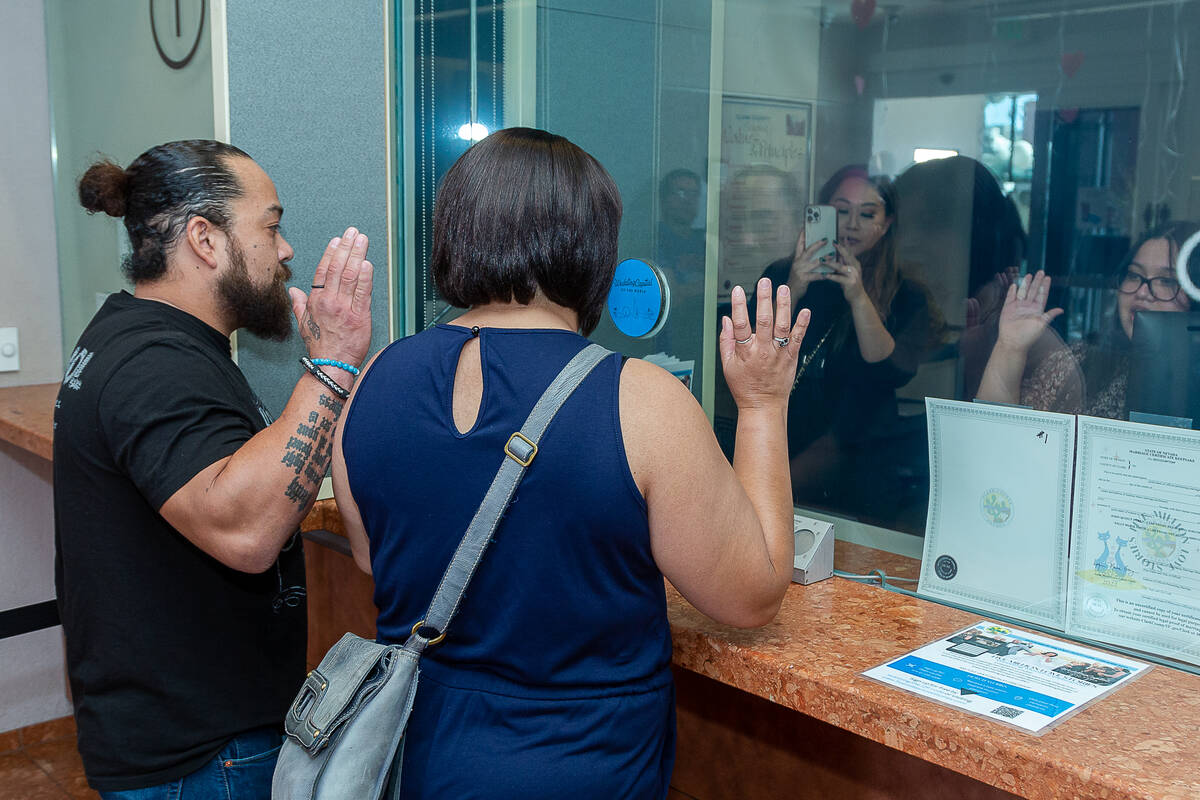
pixel 1026 680
pixel 1135 561
pixel 998 526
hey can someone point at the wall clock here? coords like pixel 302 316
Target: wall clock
pixel 172 31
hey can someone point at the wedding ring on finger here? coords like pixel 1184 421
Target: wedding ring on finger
pixel 782 341
pixel 747 340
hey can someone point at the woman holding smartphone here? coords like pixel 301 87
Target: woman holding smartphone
pixel 871 326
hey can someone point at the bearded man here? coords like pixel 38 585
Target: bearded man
pixel 179 571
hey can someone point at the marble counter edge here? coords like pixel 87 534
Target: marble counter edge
pixel 27 417
pixel 923 729
pixel 912 725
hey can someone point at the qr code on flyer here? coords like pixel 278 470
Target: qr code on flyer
pixel 1008 712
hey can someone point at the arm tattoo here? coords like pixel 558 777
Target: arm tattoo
pixel 309 450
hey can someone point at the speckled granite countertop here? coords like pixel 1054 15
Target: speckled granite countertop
pixel 1141 742
pixel 1138 743
pixel 27 417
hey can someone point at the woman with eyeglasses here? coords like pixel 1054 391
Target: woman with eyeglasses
pixel 1091 376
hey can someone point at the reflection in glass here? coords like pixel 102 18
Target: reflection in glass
pixel 1089 376
pixel 1000 140
pixel 872 326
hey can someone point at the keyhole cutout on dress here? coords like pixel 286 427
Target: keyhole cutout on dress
pixel 468 385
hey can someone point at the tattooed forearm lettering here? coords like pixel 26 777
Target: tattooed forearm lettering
pixel 308 452
pixel 297 493
pixel 298 444
pixel 294 460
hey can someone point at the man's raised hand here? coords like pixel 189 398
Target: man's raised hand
pixel 335 316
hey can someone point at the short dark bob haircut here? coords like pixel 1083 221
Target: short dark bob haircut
pixel 525 211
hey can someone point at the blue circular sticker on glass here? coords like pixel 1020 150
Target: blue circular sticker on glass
pixel 639 299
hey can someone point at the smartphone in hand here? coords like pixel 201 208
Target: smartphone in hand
pixel 820 222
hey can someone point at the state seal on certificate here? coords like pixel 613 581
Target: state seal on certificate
pixel 996 507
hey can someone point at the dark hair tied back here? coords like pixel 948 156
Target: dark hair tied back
pixel 159 192
pixel 103 188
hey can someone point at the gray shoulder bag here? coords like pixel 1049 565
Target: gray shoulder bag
pixel 345 730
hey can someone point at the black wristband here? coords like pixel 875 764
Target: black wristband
pixel 320 375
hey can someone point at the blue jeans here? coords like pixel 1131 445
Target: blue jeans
pixel 242 770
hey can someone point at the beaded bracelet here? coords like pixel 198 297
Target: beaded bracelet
pixel 333 362
pixel 320 375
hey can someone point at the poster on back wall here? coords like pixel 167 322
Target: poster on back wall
pixel 766 159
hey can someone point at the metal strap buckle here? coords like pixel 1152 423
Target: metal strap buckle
pixel 520 449
pixel 432 641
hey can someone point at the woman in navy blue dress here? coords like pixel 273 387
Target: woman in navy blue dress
pixel 554 679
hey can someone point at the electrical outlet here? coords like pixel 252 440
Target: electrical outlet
pixel 10 350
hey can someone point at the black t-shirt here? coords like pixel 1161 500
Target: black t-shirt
pixel 839 392
pixel 170 653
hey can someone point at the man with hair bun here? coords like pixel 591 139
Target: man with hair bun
pixel 177 499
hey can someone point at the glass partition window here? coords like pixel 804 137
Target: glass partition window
pixel 452 87
pixel 958 148
pixel 962 148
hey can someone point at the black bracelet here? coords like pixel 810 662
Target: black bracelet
pixel 320 375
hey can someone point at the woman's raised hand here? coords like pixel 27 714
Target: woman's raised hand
pixel 1024 316
pixel 848 274
pixel 759 362
pixel 806 267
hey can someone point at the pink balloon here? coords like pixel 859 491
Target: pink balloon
pixel 1071 62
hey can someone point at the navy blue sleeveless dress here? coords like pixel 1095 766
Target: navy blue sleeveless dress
pixel 554 680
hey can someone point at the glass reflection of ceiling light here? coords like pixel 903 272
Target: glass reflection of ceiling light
pixel 930 154
pixel 473 131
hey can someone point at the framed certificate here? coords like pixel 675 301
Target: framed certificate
pixel 1135 556
pixel 998 526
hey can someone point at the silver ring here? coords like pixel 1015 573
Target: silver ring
pixel 743 341
pixel 782 341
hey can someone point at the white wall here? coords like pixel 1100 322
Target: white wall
pixel 902 125
pixel 32 682
pixel 772 49
pixel 29 266
pixel 112 95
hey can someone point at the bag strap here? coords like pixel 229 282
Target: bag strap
pixel 519 453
